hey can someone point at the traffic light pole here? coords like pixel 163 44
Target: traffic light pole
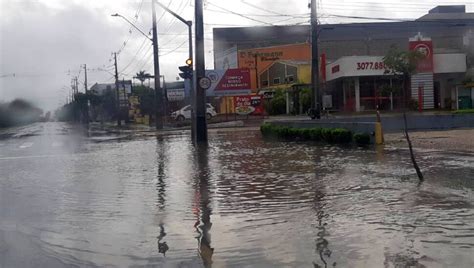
pixel 189 24
pixel 200 100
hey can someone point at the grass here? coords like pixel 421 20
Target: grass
pixel 465 111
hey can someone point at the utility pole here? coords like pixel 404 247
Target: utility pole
pixel 201 79
pixel 119 118
pixel 156 65
pixel 85 78
pixel 85 88
pixel 315 111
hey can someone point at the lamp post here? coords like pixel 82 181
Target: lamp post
pixel 156 65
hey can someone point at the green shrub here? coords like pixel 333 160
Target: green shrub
pixel 340 135
pixel 330 135
pixel 316 134
pixel 362 138
pixel 465 111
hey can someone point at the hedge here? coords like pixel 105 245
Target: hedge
pixel 330 135
pixel 362 138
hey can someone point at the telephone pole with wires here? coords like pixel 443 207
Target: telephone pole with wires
pixel 86 115
pixel 119 119
pixel 315 111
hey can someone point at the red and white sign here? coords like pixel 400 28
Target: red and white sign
pixel 425 65
pixel 249 104
pixel 230 82
pixel 353 66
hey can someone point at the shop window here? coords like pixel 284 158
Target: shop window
pixel 276 80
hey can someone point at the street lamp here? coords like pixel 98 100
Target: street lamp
pixel 133 25
pixel 156 65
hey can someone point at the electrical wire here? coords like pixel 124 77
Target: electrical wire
pixel 238 14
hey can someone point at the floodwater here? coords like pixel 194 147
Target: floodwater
pixel 70 201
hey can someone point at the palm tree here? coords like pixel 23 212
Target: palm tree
pixel 142 76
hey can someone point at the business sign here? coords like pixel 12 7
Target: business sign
pixel 230 82
pixel 125 85
pixel 226 60
pixel 354 66
pixel 425 47
pixel 175 94
pixel 249 104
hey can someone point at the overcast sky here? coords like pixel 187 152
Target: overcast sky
pixel 45 42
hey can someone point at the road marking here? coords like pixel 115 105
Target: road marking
pixel 26 145
pixel 33 156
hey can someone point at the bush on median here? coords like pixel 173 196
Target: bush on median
pixel 362 138
pixel 330 135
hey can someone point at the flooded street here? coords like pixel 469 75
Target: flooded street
pixel 70 201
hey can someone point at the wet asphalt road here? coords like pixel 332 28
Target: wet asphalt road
pixel 68 200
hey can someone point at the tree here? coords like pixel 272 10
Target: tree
pixel 404 63
pixel 146 97
pixel 142 76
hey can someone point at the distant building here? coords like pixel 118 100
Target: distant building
pixel 268 52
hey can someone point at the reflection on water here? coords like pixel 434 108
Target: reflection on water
pixel 241 201
pixel 202 208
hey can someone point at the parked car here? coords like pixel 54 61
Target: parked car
pixel 185 112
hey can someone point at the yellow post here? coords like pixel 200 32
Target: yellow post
pixel 378 130
pixel 378 133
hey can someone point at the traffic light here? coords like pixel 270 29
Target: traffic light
pixel 186 70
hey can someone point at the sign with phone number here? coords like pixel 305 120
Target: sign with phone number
pixel 371 66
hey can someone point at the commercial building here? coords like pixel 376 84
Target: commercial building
pixel 355 78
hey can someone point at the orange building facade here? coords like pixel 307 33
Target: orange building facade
pixel 258 60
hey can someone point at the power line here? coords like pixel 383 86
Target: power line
pixel 240 15
pixel 178 47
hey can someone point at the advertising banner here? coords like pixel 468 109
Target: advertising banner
pixel 230 82
pixel 175 94
pixel 425 65
pixel 249 104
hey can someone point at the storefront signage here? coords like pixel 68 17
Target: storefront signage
pixel 354 66
pixel 425 47
pixel 371 65
pixel 249 104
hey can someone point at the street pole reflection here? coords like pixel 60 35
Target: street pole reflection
pixel 161 190
pixel 202 208
pixel 322 244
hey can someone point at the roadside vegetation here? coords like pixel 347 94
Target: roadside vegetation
pixel 329 135
pixel 19 112
pixel 465 111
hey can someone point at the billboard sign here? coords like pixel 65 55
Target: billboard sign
pixel 230 82
pixel 248 104
pixel 175 94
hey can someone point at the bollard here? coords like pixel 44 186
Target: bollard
pixel 378 133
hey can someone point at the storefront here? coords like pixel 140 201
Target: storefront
pixel 361 83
